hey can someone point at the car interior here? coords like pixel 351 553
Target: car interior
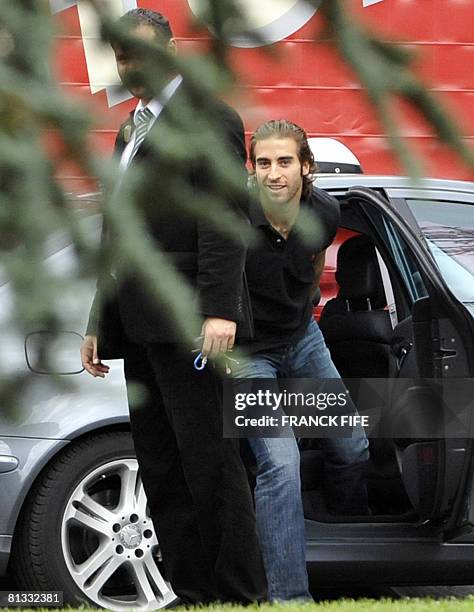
pixel 366 342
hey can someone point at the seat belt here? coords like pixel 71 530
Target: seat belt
pixel 387 288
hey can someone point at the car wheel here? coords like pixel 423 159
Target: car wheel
pixel 85 530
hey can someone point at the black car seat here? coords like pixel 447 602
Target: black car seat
pixel 355 324
pixel 357 329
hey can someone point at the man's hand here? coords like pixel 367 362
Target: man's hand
pixel 90 359
pixel 219 336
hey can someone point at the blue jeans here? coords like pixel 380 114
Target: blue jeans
pixel 279 509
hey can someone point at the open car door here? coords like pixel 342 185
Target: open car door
pixel 434 382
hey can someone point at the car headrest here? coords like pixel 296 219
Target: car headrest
pixel 358 272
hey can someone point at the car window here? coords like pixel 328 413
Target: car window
pixel 405 263
pixel 448 228
pixel 401 255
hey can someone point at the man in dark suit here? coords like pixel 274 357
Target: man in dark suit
pixel 196 485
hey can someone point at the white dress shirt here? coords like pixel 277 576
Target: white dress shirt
pixel 155 105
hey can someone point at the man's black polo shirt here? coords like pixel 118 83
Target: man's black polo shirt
pixel 280 272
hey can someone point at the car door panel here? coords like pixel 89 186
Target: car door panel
pixel 442 334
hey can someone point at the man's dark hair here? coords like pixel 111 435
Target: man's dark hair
pixel 141 16
pixel 281 128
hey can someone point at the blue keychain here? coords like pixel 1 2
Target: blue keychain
pixel 200 362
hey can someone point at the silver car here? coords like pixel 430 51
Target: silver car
pixel 73 514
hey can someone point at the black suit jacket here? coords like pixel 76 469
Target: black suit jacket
pixel 210 262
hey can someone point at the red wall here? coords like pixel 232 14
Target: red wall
pixel 309 84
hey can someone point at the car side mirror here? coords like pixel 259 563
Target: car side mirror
pixel 53 352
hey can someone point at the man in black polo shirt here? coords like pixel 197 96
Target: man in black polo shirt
pixel 283 273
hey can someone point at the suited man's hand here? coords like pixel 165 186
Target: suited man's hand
pixel 219 336
pixel 90 359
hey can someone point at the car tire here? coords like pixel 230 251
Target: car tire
pixel 85 530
